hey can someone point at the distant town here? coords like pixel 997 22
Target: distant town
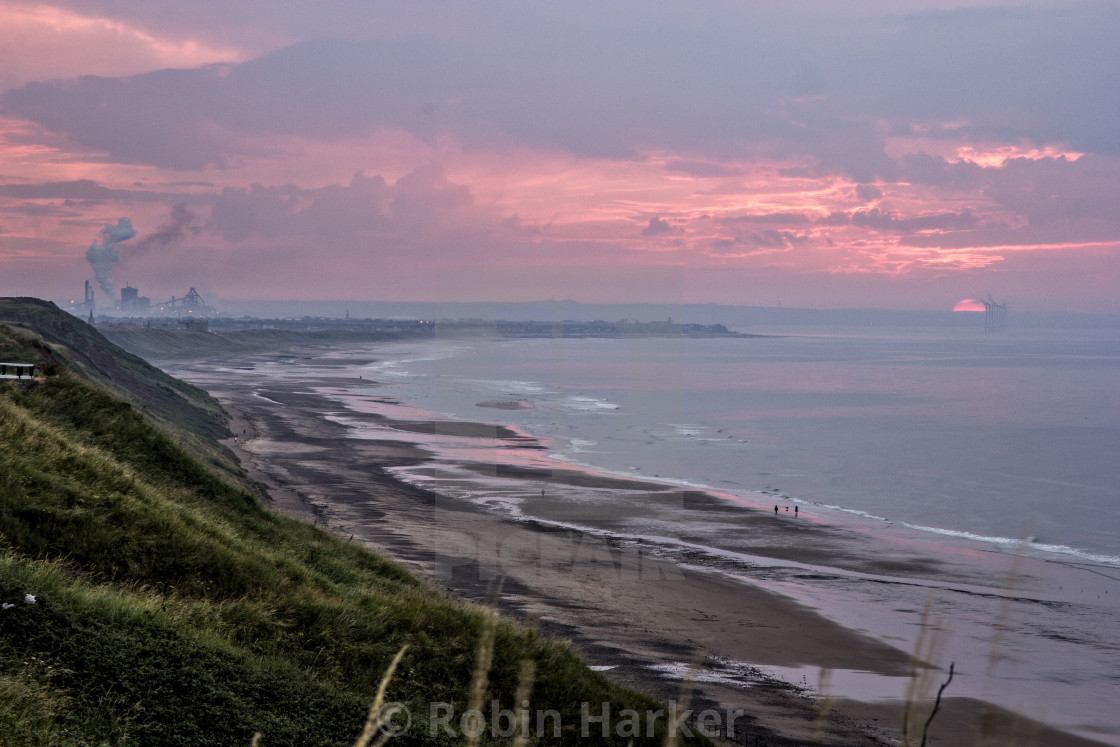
pixel 426 327
pixel 191 312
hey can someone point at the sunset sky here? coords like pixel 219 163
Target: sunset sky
pixel 890 154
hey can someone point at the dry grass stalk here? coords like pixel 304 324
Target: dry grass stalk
pixel 481 677
pixel 685 696
pixel 987 731
pixel 921 671
pixel 936 704
pixel 525 678
pixel 825 704
pixel 375 719
pixel 1002 622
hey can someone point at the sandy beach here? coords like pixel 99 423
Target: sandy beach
pixel 647 621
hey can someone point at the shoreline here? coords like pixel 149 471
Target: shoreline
pixel 587 589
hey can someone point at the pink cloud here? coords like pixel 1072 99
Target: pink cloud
pixel 508 171
pixel 39 40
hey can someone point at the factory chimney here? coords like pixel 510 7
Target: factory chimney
pixel 88 303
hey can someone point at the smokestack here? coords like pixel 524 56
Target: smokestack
pixel 104 256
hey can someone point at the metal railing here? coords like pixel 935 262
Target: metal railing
pixel 17 370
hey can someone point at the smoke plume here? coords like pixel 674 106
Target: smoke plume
pixel 181 223
pixel 104 256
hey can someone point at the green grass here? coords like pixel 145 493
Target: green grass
pixel 174 608
pixel 35 331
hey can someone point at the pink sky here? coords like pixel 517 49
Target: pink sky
pixel 862 154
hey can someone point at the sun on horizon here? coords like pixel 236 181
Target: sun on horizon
pixel 969 304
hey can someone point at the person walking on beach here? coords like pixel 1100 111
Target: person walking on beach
pixel 775 510
pixel 795 510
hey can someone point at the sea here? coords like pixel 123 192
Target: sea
pixel 999 439
pixel 994 456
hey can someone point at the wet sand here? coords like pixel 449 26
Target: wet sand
pixel 646 621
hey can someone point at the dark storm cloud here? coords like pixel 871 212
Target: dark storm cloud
pixel 716 82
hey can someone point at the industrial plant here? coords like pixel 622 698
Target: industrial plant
pixel 132 304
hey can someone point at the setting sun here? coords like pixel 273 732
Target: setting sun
pixel 969 304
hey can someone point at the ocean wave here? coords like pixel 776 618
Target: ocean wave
pixel 699 434
pixel 842 509
pixel 1029 542
pixel 581 444
pixel 686 429
pixel 589 404
pixel 507 385
pixel 632 473
pixel 258 395
pixel 391 367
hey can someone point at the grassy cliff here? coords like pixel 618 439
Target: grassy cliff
pixel 149 598
pixel 53 337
